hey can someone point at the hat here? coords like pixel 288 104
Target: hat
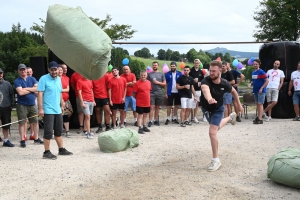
pixel 1 70
pixel 173 63
pixel 53 64
pixel 21 66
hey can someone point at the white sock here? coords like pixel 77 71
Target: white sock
pixel 168 117
pixel 216 159
pixel 135 119
pixel 174 117
pixel 124 120
pixel 5 140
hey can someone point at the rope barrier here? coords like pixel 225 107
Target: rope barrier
pixel 19 120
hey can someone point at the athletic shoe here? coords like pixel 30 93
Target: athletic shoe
pixel 84 133
pixel 49 155
pixel 124 123
pixel 8 144
pixel 38 141
pixel 167 122
pixel 264 116
pixel 238 119
pixel 68 135
pixel 99 129
pixel 122 126
pixel 269 119
pixel 149 124
pixel 175 121
pixel 187 123
pixel 258 122
pixel 296 119
pixel 107 128
pixel 23 144
pixel 182 124
pixel 89 136
pixel 135 123
pixel 65 152
pixel 233 118
pixel 114 127
pixel 256 119
pixel 204 119
pixel 146 129
pixel 214 166
pixel 32 137
pixel 196 120
pixel 141 131
pixel 156 123
pixel 80 130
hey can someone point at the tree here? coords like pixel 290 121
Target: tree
pixel 227 57
pixel 277 19
pixel 248 72
pixel 192 54
pixel 161 54
pixel 114 31
pixel 136 67
pixel 175 56
pixel 169 54
pixel 143 53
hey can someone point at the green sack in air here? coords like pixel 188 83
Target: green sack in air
pixel 117 140
pixel 77 41
pixel 284 167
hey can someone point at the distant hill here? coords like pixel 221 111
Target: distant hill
pixel 236 54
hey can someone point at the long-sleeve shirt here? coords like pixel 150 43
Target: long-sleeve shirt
pixel 7 94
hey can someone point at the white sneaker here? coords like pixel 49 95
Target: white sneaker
pixel 269 119
pixel 204 119
pixel 115 127
pixel 89 136
pixel 214 166
pixel 196 120
pixel 264 116
pixel 122 126
pixel 233 118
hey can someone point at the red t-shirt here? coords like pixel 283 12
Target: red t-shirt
pixel 129 78
pixel 117 86
pixel 74 78
pixel 65 84
pixel 100 86
pixel 142 93
pixel 86 87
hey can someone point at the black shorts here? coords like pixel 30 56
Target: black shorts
pixel 118 106
pixel 174 99
pixel 101 102
pixel 5 116
pixel 142 110
pixel 52 122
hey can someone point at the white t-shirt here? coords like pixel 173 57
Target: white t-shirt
pixel 296 80
pixel 274 77
pixel 174 90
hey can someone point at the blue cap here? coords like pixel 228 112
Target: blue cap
pixel 53 64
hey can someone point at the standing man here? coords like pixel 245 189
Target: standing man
pixel 158 82
pixel 129 99
pixel 102 100
pixel 236 74
pixel 172 93
pixel 74 78
pixel 117 92
pixel 6 103
pixel 51 105
pixel 26 86
pixel 276 78
pixel 260 81
pixel 141 91
pixel 213 88
pixel 295 82
pixel 227 97
pixel 185 85
pixel 197 74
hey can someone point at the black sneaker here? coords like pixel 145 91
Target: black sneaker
pixel 296 119
pixel 175 121
pixel 156 123
pixel 146 129
pixel 258 122
pixel 135 123
pixel 23 144
pixel 188 123
pixel 167 122
pixel 182 124
pixel 38 141
pixel 8 144
pixel 256 119
pixel 238 119
pixel 124 124
pixel 149 124
pixel 99 129
pixel 49 155
pixel 107 128
pixel 64 152
pixel 141 131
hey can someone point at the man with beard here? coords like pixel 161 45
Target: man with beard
pixel 197 74
pixel 213 88
pixel 172 93
pixel 187 95
pixel 51 105
pixel 227 98
pixel 158 82
pixel 117 93
pixel 295 82
pixel 276 78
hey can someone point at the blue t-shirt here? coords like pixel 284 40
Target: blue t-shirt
pixel 235 74
pixel 258 78
pixel 28 99
pixel 52 89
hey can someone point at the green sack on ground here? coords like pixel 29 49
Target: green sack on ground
pixel 284 167
pixel 117 140
pixel 77 41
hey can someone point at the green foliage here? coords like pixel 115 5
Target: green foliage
pixel 161 54
pixel 136 67
pixel 169 53
pixel 277 19
pixel 144 53
pixel 248 73
pixel 175 56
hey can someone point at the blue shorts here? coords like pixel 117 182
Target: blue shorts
pixel 214 117
pixel 259 98
pixel 227 98
pixel 237 90
pixel 296 98
pixel 130 100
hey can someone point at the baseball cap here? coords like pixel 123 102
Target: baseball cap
pixel 173 63
pixel 21 66
pixel 53 64
pixel 1 70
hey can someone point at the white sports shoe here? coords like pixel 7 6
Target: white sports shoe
pixel 269 119
pixel 264 116
pixel 196 120
pixel 214 166
pixel 89 136
pixel 233 118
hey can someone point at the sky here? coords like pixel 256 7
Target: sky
pixel 156 20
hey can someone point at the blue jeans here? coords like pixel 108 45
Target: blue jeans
pixel 259 98
pixel 130 100
pixel 214 117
